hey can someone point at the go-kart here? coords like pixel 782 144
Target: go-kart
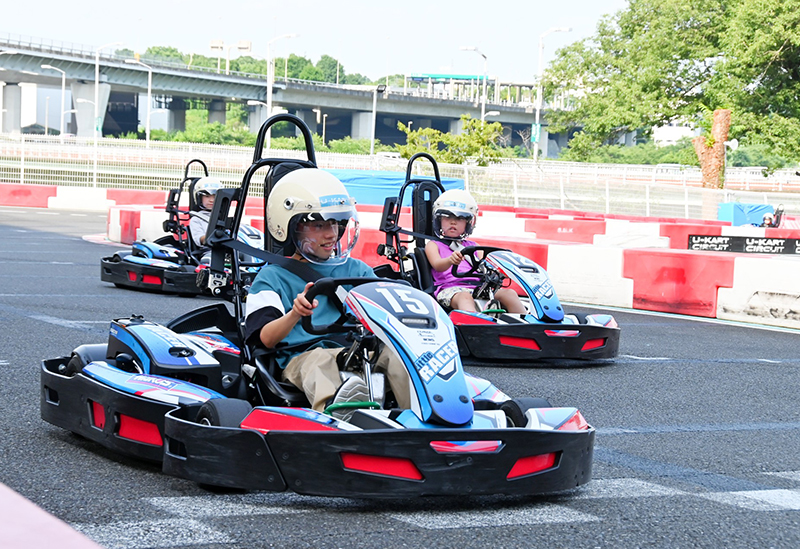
pixel 172 263
pixel 192 396
pixel 545 332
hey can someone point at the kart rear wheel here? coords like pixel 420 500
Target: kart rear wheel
pixel 515 409
pixel 223 412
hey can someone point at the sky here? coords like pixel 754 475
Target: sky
pixel 370 37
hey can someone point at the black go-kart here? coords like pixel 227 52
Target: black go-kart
pixel 546 332
pixel 173 263
pixel 192 396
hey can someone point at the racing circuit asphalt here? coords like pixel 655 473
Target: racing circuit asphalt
pixel 697 442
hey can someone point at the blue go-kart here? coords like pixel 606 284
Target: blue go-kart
pixel 546 333
pixel 192 396
pixel 173 263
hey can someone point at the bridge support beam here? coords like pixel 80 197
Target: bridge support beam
pixel 256 117
pixel 361 125
pixel 85 115
pixel 176 121
pixel 310 118
pixel 456 126
pixel 11 101
pixel 216 111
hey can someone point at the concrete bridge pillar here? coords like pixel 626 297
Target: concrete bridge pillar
pixel 310 118
pixel 216 111
pixel 176 121
pixel 456 126
pixel 11 101
pixel 85 115
pixel 256 117
pixel 361 125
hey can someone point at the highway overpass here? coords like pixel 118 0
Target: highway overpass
pixel 336 110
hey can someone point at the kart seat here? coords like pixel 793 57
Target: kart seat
pixel 422 267
pixel 281 393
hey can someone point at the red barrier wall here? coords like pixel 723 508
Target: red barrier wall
pixel 367 245
pixel 533 250
pixel 567 230
pixel 31 196
pixel 129 222
pixel 679 233
pixel 677 282
pixel 123 197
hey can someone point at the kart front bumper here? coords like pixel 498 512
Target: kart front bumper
pixel 180 280
pixel 400 463
pixel 534 342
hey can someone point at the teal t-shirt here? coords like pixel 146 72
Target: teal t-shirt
pixel 271 296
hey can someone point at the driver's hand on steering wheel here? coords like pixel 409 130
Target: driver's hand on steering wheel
pixel 456 258
pixel 301 305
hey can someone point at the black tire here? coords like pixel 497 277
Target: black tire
pixel 74 366
pixel 515 409
pixel 223 412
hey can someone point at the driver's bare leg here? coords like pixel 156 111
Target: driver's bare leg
pixel 510 301
pixel 463 302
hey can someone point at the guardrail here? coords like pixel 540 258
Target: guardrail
pixel 604 188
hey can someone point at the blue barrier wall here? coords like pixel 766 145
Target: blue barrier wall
pixel 372 187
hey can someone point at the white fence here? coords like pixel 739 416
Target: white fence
pixel 661 191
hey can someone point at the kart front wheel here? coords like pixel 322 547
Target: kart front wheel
pixel 515 409
pixel 223 412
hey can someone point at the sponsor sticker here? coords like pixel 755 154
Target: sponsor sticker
pixel 431 363
pixel 153 381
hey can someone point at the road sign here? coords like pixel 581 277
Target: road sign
pixel 536 129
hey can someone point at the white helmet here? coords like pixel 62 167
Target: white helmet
pixel 455 203
pixel 205 186
pixel 307 195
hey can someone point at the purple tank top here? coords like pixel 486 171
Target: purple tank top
pixel 445 279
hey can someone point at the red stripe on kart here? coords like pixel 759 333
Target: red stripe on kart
pixel 521 342
pixel 265 421
pixel 98 415
pixel 381 465
pixel 531 464
pixel 139 430
pixel 151 279
pixel 594 344
pixel 458 317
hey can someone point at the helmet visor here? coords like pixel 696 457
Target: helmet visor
pixel 325 238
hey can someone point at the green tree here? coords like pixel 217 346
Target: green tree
pixel 310 72
pixel 249 65
pixel 662 60
pixel 328 67
pixel 164 53
pixel 477 141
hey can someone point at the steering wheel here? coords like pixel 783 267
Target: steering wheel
pixel 477 262
pixel 328 286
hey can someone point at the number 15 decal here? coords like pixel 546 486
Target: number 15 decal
pixel 406 303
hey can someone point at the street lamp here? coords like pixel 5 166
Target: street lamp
pixel 493 113
pixel 270 78
pixel 538 126
pixel 324 121
pixel 485 77
pixel 244 46
pixel 149 96
pixel 380 88
pixel 63 95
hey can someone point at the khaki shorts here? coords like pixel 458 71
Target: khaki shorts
pixel 446 295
